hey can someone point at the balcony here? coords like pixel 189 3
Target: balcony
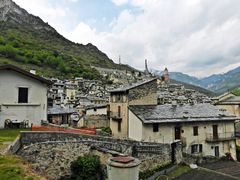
pixel 115 116
pixel 220 137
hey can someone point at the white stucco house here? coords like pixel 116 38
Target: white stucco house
pixel 23 96
pixel 203 128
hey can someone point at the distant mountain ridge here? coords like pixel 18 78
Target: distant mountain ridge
pixel 218 83
pixel 28 42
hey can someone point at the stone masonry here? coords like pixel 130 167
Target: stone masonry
pixel 51 153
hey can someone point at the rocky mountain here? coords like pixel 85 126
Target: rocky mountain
pixel 27 41
pixel 218 83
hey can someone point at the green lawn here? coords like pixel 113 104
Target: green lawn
pixel 9 134
pixel 14 168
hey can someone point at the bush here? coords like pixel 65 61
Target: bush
pixel 86 167
pixel 107 130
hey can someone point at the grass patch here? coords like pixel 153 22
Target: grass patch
pixel 10 134
pixel 12 167
pixel 148 173
pixel 182 169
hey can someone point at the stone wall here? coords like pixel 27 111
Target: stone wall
pixel 144 94
pixel 51 153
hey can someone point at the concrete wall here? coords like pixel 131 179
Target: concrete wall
pixel 135 127
pixel 36 108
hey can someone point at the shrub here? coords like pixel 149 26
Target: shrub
pixel 107 130
pixel 86 167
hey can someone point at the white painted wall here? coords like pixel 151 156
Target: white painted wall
pixel 135 127
pixel 36 108
pixel 99 111
pixel 166 134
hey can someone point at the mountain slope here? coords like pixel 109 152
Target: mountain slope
pixel 218 83
pixel 27 41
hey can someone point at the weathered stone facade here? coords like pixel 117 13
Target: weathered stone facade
pixel 51 153
pixel 143 91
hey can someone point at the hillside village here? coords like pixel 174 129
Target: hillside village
pixel 67 111
pixel 144 108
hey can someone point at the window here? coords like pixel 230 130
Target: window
pixel 200 148
pixel 119 111
pixel 155 128
pixel 22 95
pixel 119 126
pixel 196 148
pixel 195 130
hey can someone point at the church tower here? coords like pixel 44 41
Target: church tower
pixel 165 75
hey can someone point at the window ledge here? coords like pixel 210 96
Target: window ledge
pixel 21 104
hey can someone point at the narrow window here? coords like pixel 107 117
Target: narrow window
pixel 195 130
pixel 119 111
pixel 155 128
pixel 119 126
pixel 194 148
pixel 200 148
pixel 22 95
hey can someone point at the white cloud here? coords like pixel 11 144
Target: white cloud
pixel 120 2
pixel 199 37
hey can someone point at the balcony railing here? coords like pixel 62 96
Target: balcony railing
pixel 210 137
pixel 115 116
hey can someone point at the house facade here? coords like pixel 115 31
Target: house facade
pixel 229 102
pixel 202 128
pixel 23 96
pixel 144 93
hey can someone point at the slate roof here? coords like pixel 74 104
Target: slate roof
pixel 96 106
pixel 230 100
pixel 60 110
pixel 131 86
pixel 182 113
pixel 25 73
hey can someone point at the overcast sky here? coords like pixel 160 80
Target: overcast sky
pixel 198 37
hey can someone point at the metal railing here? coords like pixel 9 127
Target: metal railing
pixel 210 137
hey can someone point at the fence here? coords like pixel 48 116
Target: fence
pixel 90 131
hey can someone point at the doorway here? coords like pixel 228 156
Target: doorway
pixel 177 132
pixel 216 151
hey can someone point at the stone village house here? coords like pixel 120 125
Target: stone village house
pixel 202 128
pixel 23 96
pixel 229 102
